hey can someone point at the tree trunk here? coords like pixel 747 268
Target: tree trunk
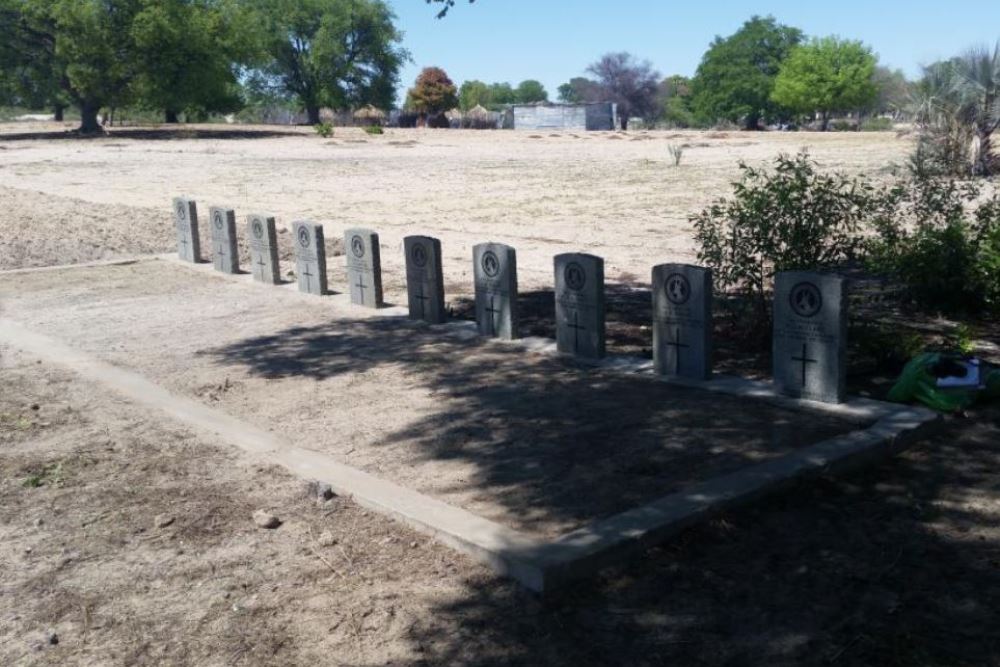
pixel 752 122
pixel 170 116
pixel 624 122
pixel 88 118
pixel 57 113
pixel 313 113
pixel 826 121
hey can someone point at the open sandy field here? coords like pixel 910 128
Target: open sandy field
pixel 127 538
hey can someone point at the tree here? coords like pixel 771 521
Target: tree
pixel 473 93
pixel 501 94
pixel 736 76
pixel 630 83
pixel 826 75
pixel 892 91
pixel 957 107
pixel 579 90
pixel 433 93
pixel 338 53
pixel 188 53
pixel 531 91
pixel 674 97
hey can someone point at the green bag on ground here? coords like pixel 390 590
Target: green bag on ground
pixel 919 383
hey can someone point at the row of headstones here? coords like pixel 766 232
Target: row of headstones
pixel 810 311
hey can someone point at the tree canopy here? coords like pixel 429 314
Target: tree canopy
pixel 338 53
pixel 826 75
pixel 629 82
pixel 531 91
pixel 433 92
pixel 736 76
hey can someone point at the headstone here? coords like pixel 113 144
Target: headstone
pixel 186 222
pixel 810 335
pixel 310 257
pixel 364 267
pixel 495 269
pixel 263 238
pixel 225 253
pixel 424 279
pixel 580 305
pixel 682 321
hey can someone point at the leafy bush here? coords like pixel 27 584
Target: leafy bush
pixel 324 130
pixel 843 126
pixel 788 218
pixel 877 125
pixel 374 129
pixel 948 259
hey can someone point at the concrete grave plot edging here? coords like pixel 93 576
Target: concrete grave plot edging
pixel 539 565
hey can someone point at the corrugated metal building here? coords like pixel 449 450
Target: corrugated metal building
pixel 598 116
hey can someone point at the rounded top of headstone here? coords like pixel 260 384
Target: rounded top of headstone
pixel 490 263
pixel 806 299
pixel 257 226
pixel 358 246
pixel 419 254
pixel 677 288
pixel 304 236
pixel 575 276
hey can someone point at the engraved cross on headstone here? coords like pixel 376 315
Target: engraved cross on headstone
pixel 577 328
pixel 804 360
pixel 308 278
pixel 423 299
pixel 677 345
pixel 493 311
pixel 361 286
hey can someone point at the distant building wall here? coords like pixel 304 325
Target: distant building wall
pixel 601 116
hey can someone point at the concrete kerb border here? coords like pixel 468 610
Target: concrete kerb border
pixel 538 565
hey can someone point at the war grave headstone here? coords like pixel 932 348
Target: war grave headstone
pixel 186 222
pixel 424 279
pixel 495 269
pixel 810 336
pixel 364 267
pixel 310 257
pixel 264 264
pixel 225 253
pixel 682 321
pixel 580 305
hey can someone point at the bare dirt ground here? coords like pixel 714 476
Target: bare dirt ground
pixel 534 442
pixel 898 565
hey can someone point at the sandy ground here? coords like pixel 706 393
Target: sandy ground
pixel 897 565
pixel 530 441
pixel 615 195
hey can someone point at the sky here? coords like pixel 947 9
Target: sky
pixel 555 40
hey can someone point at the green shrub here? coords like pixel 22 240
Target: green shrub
pixel 877 125
pixel 374 129
pixel 791 217
pixel 324 130
pixel 843 126
pixel 948 259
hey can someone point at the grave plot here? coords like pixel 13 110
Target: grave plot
pixel 535 444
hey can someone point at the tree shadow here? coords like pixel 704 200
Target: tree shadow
pixel 552 444
pixel 895 565
pixel 151 134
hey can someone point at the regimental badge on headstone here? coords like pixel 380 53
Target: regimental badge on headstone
pixel 682 321
pixel 310 257
pixel 810 335
pixel 186 223
pixel 225 252
pixel 424 279
pixel 263 242
pixel 579 292
pixel 364 267
pixel 495 270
